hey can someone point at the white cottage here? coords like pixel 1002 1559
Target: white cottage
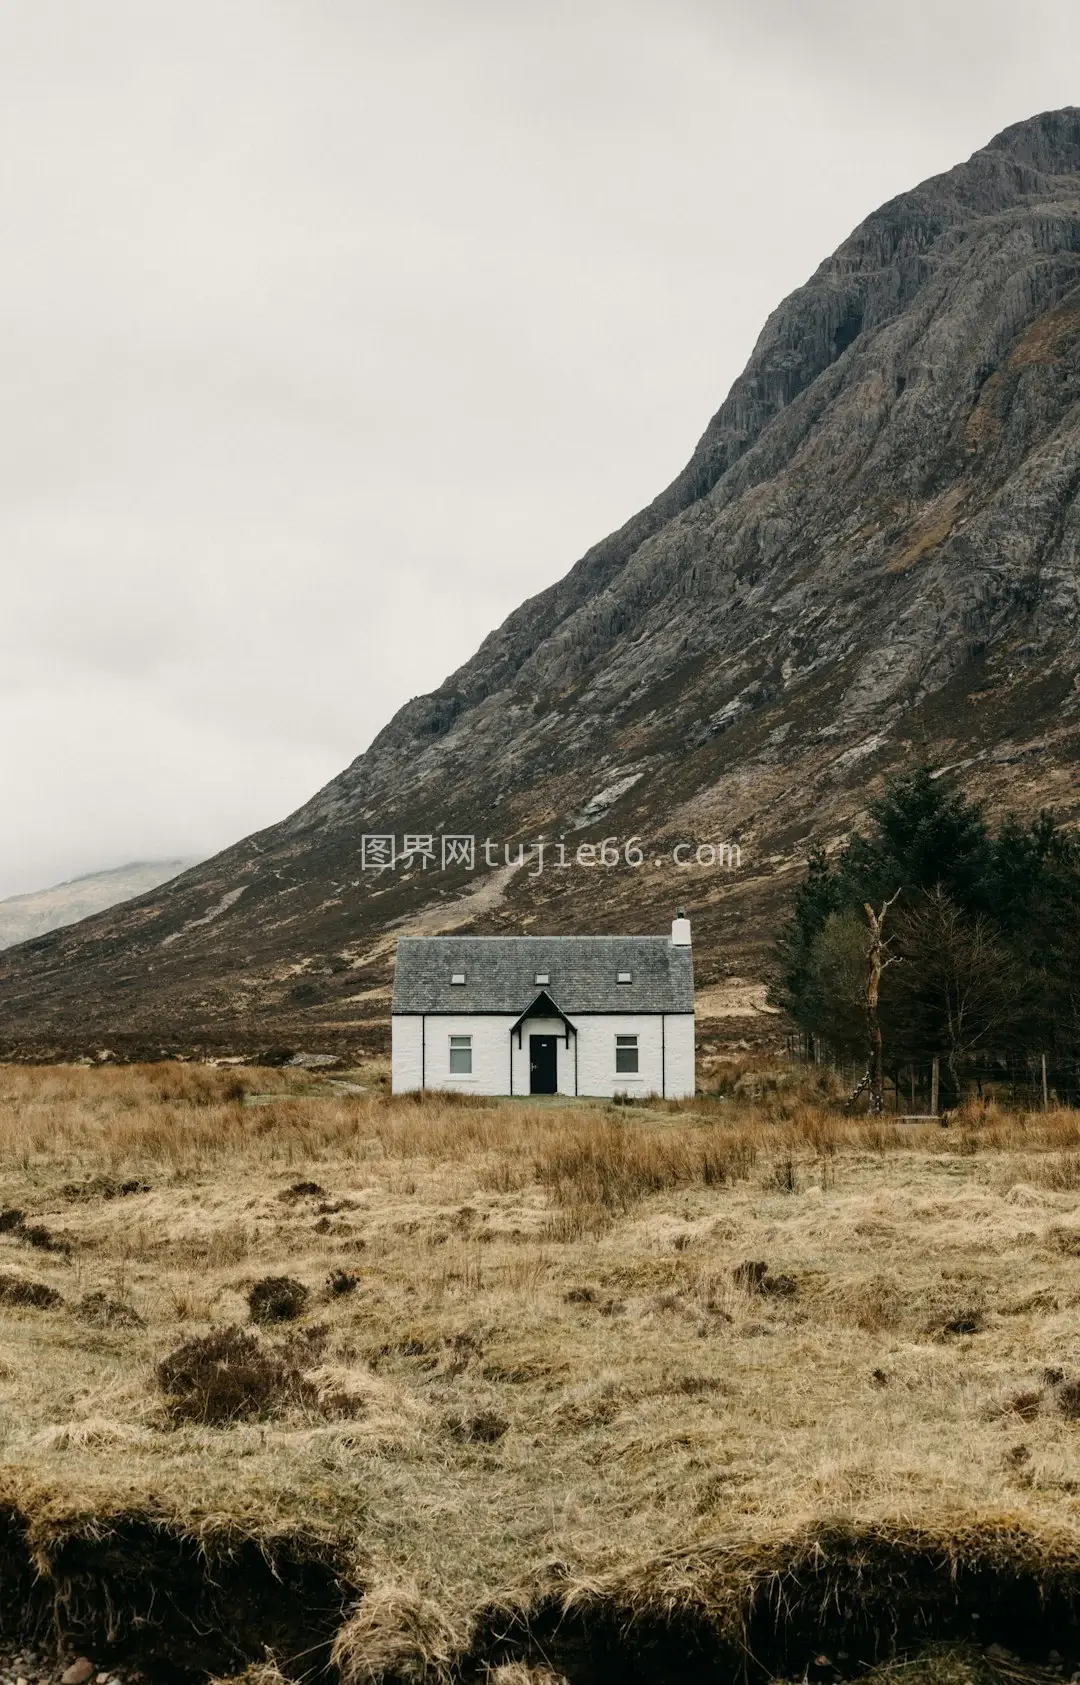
pixel 545 1014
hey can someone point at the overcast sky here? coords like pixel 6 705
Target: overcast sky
pixel 334 328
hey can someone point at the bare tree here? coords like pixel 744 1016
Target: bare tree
pixel 878 960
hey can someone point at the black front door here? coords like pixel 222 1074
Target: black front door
pixel 543 1065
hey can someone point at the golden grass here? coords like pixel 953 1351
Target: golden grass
pixel 568 1272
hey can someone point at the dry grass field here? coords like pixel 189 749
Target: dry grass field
pixel 536 1390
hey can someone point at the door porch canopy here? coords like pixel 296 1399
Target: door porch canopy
pixel 544 1007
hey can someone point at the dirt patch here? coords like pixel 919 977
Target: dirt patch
pixel 737 997
pixel 228 1376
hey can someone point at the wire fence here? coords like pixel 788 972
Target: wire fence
pixel 1026 1082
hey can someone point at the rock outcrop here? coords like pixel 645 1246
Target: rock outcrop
pixel 871 555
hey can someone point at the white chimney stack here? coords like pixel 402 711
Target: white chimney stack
pixel 680 929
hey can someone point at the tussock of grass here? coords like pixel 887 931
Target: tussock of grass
pixel 17 1290
pixel 397 1634
pixel 277 1298
pixel 656 1346
pixel 229 1376
pixel 102 1312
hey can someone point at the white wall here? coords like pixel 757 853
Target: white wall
pixel 664 1066
pixel 680 1061
pixel 405 1061
pixel 490 1053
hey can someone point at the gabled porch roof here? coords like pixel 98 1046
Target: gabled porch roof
pixel 544 1007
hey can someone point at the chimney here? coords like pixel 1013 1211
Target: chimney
pixel 680 929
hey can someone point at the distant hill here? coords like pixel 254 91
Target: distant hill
pixel 872 557
pixel 25 916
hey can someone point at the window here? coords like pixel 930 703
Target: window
pixel 543 977
pixel 458 977
pixel 626 1055
pixel 625 977
pixel 461 1056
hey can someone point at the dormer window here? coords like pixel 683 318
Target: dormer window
pixel 457 977
pixel 542 977
pixel 625 977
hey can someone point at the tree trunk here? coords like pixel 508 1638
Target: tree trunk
pixel 877 1079
pixel 878 960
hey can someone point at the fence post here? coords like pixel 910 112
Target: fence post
pixel 1046 1094
pixel 935 1083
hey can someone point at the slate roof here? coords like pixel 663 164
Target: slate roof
pixel 500 973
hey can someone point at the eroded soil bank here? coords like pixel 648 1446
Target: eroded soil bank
pixel 991 1604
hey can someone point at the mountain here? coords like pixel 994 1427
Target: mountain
pixel 870 556
pixel 24 916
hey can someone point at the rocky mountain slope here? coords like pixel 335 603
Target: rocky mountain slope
pixel 24 916
pixel 871 554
